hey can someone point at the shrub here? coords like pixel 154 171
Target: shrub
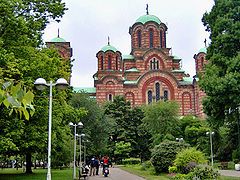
pixel 206 172
pixel 188 176
pixel 131 161
pixel 186 156
pixel 172 169
pixel 236 156
pixel 164 154
pixel 146 165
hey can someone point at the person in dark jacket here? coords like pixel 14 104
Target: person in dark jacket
pixel 92 167
pixel 97 164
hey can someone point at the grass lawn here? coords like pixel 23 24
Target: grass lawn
pixel 148 174
pixel 38 174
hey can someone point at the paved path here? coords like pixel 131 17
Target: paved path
pixel 119 174
pixel 229 173
pixel 116 174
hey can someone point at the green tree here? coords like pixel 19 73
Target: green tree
pixel 165 153
pixel 221 80
pixel 161 119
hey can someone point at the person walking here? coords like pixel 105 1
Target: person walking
pixel 92 167
pixel 97 164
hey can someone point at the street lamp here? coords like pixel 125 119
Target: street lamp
pixel 41 84
pixel 85 151
pixel 179 139
pixel 80 149
pixel 74 150
pixel 211 134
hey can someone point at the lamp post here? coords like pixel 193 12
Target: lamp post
pixel 80 149
pixel 41 84
pixel 211 134
pixel 84 158
pixel 74 150
pixel 179 139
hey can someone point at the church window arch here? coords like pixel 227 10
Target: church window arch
pixel 149 97
pixel 109 62
pixel 157 87
pixel 139 38
pixel 101 62
pixel 110 97
pixel 116 62
pixel 151 37
pixel 165 95
pixel 161 39
pixel 154 64
pixel 202 61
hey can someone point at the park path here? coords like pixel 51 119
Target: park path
pixel 116 174
pixel 230 173
pixel 119 174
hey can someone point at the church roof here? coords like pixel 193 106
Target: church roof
pixel 204 50
pixel 58 39
pixel 146 18
pixel 85 89
pixel 127 57
pixel 109 47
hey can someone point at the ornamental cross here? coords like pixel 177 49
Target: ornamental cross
pixel 108 40
pixel 205 42
pixel 147 8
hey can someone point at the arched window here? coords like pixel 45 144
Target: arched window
pixel 139 38
pixel 202 60
pixel 149 97
pixel 109 62
pixel 161 45
pixel 157 91
pixel 110 97
pixel 154 64
pixel 102 62
pixel 165 95
pixel 116 62
pixel 151 37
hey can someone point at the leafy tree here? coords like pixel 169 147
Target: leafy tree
pixel 123 149
pixel 161 119
pixel 164 154
pixel 95 126
pixel 186 156
pixel 221 80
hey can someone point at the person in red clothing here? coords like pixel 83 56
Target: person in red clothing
pixel 105 163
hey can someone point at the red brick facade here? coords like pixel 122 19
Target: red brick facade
pixel 149 73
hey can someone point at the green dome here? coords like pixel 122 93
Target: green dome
pixel 58 39
pixel 109 47
pixel 204 50
pixel 147 18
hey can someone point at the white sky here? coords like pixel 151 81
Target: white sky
pixel 88 23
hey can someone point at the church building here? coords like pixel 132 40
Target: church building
pixel 148 74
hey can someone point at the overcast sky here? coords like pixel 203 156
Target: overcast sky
pixel 88 23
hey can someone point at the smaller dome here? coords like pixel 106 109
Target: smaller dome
pixel 109 47
pixel 58 39
pixel 204 50
pixel 146 18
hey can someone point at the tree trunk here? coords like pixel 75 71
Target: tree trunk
pixel 29 163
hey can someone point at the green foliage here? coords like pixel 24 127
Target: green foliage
pixel 186 156
pixel 205 172
pixel 164 154
pixel 188 176
pixel 172 169
pixel 236 156
pixel 123 149
pixel 16 98
pixel 131 161
pixel 146 165
pixel 161 119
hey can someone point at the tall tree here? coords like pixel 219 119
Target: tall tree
pixel 221 80
pixel 161 119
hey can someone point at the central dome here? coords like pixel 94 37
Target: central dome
pixel 146 18
pixel 109 47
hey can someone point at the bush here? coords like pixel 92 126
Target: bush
pixel 188 158
pixel 236 156
pixel 131 161
pixel 206 172
pixel 188 176
pixel 172 169
pixel 164 154
pixel 146 165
